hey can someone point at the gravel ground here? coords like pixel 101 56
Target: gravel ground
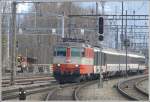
pixel 28 85
pixel 144 85
pixel 34 97
pixel 63 94
pixel 108 92
pixel 38 97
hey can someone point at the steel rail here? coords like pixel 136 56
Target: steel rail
pixel 74 94
pixel 53 93
pixel 14 93
pixel 127 89
pixel 32 80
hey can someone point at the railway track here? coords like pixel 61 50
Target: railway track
pixel 31 80
pixel 128 88
pixel 26 76
pixel 67 91
pixel 13 93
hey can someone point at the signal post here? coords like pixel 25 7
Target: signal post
pixel 101 38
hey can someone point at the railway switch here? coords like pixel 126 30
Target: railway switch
pixel 101 37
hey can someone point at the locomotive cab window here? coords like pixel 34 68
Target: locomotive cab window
pixel 60 51
pixel 75 52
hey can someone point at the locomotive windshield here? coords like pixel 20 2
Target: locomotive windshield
pixel 60 51
pixel 75 52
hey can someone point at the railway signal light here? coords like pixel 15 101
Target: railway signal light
pixel 101 37
pixel 101 29
pixel 19 58
pixel 101 25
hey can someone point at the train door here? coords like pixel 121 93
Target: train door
pixel 96 62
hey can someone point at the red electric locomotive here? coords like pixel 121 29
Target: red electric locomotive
pixel 73 62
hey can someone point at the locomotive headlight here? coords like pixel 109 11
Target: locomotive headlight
pixel 24 65
pixel 77 65
pixel 58 65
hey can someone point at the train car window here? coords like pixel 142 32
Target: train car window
pixel 55 52
pixel 83 52
pixel 61 51
pixel 95 58
pixel 75 52
pixel 99 58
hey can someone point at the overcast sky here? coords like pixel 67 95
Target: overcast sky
pixel 140 7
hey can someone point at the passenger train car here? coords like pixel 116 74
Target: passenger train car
pixel 73 62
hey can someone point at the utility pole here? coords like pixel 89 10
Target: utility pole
pixel 122 27
pixel 102 4
pixel 70 22
pixel 101 76
pixel 134 29
pixel 96 35
pixel 126 42
pixel 116 37
pixel 13 37
pixel 8 42
pixel 1 35
pixel 38 36
pixel 97 27
pixel 35 23
pixel 97 20
pixel 97 16
pixel 116 24
pixel 63 24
